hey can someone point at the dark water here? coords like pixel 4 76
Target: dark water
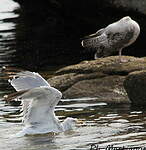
pixel 104 124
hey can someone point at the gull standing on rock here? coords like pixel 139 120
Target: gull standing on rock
pixel 112 38
pixel 38 103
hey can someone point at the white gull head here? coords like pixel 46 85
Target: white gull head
pixel 69 123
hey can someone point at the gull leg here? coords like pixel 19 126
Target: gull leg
pixel 120 57
pixel 95 56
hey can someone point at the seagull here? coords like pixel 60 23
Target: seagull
pixel 38 103
pixel 112 38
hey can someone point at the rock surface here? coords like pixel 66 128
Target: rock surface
pixel 135 86
pixel 102 78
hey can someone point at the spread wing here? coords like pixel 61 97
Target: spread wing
pixel 38 102
pixel 27 80
pixel 38 105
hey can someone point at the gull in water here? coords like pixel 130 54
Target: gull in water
pixel 38 103
pixel 112 38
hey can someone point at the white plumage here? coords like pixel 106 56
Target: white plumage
pixel 27 80
pixel 38 103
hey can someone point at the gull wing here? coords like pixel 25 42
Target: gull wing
pixel 27 80
pixel 38 105
pixel 98 33
pixel 95 42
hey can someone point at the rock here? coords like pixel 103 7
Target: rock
pixel 107 89
pixel 102 78
pixel 135 86
pixel 108 65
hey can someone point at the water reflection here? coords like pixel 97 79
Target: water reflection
pixel 7 32
pixel 36 39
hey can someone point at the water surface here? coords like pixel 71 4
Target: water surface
pixel 7 32
pixel 103 124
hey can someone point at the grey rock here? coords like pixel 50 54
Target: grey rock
pixel 101 78
pixel 135 86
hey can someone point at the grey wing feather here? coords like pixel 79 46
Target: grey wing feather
pixel 95 42
pixel 27 80
pixel 25 108
pixel 98 33
pixel 36 104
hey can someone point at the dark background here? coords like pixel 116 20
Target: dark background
pixel 49 32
